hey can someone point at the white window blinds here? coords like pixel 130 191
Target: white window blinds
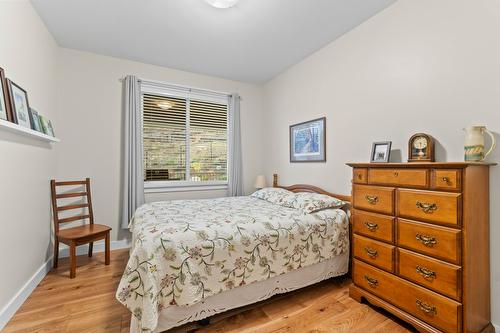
pixel 164 135
pixel 208 141
pixel 185 137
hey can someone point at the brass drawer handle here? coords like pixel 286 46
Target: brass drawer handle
pixel 429 309
pixel 426 273
pixel 372 253
pixel 373 200
pixel 427 207
pixel 371 226
pixel 360 176
pixel 446 180
pixel 371 281
pixel 429 241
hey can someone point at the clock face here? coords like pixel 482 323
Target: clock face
pixel 420 143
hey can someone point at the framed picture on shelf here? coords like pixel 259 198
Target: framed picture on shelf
pixel 19 104
pixel 4 98
pixel 381 152
pixel 35 120
pixel 46 125
pixel 308 141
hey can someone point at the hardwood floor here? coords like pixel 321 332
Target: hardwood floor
pixel 87 304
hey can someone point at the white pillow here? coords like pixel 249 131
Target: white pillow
pixel 313 202
pixel 276 195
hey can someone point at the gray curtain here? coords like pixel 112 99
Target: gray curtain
pixel 235 187
pixel 133 174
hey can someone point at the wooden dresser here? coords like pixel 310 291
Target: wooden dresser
pixel 421 243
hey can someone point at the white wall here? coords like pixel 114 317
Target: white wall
pixel 90 125
pixel 28 54
pixel 431 66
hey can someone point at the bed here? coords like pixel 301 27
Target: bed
pixel 192 259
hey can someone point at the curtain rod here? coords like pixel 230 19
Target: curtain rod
pixel 190 89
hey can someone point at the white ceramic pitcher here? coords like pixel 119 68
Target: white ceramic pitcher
pixel 474 143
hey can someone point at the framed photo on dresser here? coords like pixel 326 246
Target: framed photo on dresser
pixel 308 141
pixel 381 152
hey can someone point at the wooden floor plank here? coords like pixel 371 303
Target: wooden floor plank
pixel 87 304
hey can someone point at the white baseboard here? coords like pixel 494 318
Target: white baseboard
pixel 8 311
pixel 15 302
pixel 497 328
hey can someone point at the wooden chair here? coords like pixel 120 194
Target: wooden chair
pixel 74 236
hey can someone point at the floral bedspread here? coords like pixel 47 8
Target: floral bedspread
pixel 186 250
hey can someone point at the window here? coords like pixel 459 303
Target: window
pixel 184 138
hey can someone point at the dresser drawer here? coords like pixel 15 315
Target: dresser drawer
pixel 373 198
pixel 399 177
pixel 430 273
pixel 447 180
pixel 359 176
pixel 434 207
pixel 439 242
pixel 376 253
pixel 373 225
pixel 436 310
pixel 374 280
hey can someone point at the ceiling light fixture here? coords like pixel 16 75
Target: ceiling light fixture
pixel 222 3
pixel 165 105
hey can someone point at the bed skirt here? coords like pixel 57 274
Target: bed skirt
pixel 174 316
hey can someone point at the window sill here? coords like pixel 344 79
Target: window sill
pixel 182 188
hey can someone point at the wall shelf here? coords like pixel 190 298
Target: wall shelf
pixel 15 128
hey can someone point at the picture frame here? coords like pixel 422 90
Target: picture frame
pixel 5 113
pixel 46 125
pixel 308 141
pixel 381 152
pixel 19 104
pixel 35 121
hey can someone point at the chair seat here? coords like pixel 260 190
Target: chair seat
pixel 83 231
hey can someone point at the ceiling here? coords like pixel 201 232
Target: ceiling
pixel 252 42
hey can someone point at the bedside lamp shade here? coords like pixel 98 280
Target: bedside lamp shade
pixel 260 182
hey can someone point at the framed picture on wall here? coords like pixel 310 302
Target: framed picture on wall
pixel 46 125
pixel 35 121
pixel 4 98
pixel 19 104
pixel 308 141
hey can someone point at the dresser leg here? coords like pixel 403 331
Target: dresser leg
pixel 488 329
pixel 354 293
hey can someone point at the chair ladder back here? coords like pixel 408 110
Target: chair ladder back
pixel 53 196
pixel 56 208
pixel 89 201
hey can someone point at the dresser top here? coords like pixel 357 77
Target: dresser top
pixel 419 165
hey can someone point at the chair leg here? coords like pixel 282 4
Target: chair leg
pixel 91 245
pixel 72 258
pixel 56 252
pixel 107 249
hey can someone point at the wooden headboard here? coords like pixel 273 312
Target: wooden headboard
pixel 309 188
